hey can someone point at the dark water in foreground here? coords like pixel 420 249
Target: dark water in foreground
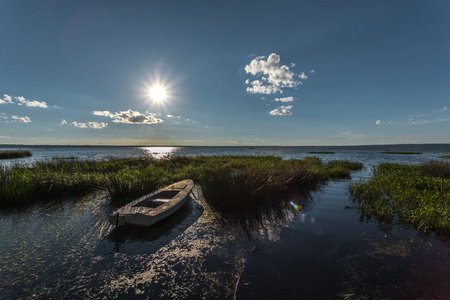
pixel 321 251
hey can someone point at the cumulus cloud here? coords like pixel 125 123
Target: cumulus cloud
pixel 94 125
pixel 78 125
pixel 97 125
pixel 21 119
pixel 272 76
pixel 282 111
pixel 6 99
pixel 19 100
pixel 31 103
pixel 103 113
pixel 129 117
pixel 285 99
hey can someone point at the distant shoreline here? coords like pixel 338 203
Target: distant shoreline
pixel 229 146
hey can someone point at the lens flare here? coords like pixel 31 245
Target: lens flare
pixel 296 206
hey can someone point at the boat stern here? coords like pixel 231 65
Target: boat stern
pixel 117 219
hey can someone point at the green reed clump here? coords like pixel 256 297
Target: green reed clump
pixel 10 154
pixel 340 169
pixel 409 193
pixel 228 182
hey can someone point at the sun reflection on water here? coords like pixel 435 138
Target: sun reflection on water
pixel 160 152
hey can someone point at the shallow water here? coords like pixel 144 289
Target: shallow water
pixel 67 249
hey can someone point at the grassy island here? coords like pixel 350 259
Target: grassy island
pixel 415 194
pixel 400 152
pixel 9 154
pixel 321 152
pixel 228 182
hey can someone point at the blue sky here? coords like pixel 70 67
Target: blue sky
pixel 300 72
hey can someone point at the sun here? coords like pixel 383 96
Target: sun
pixel 158 93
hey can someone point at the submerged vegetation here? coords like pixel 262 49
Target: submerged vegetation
pixel 415 194
pixel 228 182
pixel 10 154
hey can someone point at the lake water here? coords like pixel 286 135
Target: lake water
pixel 67 249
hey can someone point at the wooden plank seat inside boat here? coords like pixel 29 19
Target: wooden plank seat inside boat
pixel 157 199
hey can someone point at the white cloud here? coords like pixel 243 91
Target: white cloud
pixel 378 122
pixel 6 99
pixel 31 103
pixel 285 99
pixel 19 100
pixel 129 117
pixel 21 119
pixel 103 113
pixel 444 109
pixel 274 77
pixel 97 125
pixel 282 111
pixel 302 76
pixel 78 125
pixel 421 122
pixel 94 125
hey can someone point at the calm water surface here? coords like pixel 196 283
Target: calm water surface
pixel 67 249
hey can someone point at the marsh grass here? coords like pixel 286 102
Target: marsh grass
pixel 10 154
pixel 445 156
pixel 415 194
pixel 229 183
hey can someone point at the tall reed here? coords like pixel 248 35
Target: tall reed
pixel 229 182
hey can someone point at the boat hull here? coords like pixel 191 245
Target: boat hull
pixel 154 207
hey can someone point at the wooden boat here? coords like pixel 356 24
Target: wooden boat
pixel 153 207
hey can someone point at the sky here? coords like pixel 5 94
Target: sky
pixel 234 72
